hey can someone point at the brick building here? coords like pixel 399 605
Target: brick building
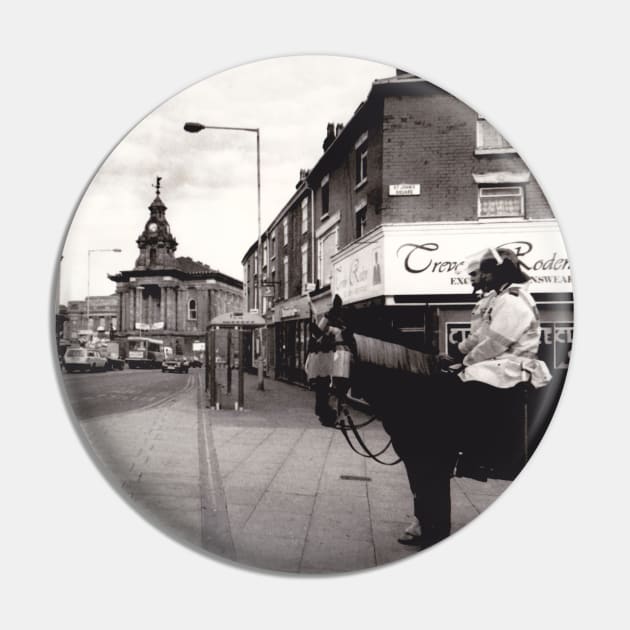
pixel 411 185
pixel 170 298
pixel 287 261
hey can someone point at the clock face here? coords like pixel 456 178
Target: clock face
pixel 152 227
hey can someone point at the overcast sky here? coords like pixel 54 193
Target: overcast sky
pixel 209 178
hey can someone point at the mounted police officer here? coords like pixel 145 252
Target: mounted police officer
pixel 499 359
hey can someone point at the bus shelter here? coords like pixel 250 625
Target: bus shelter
pixel 236 323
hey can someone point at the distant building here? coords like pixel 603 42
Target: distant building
pixel 167 297
pixel 102 317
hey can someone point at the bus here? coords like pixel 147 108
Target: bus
pixel 145 352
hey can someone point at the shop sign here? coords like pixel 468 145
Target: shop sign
pixel 245 320
pixel 359 275
pixel 404 190
pixel 199 346
pixel 142 326
pixel 288 312
pixel 157 326
pixel 556 341
pixel 430 259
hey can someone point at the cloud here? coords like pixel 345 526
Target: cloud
pixel 209 178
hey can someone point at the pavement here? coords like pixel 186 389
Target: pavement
pixel 267 486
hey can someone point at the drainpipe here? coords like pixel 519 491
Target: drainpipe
pixel 312 192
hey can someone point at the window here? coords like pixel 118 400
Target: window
pixel 325 197
pixel 265 254
pixel 285 277
pixel 273 246
pixel 192 309
pixel 327 246
pixel 489 140
pixel 361 153
pixel 101 323
pixel 500 202
pixel 360 221
pixel 285 230
pixel 305 215
pixel 304 266
pixel 114 323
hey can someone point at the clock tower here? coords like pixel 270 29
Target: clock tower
pixel 156 243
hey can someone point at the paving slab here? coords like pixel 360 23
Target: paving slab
pixel 268 487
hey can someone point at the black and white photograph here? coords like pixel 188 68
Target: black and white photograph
pixel 314 315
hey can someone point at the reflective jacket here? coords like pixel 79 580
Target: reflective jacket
pixel 507 340
pixel 477 322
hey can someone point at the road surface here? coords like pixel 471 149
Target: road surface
pixel 102 393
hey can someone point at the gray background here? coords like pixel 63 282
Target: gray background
pixel 552 550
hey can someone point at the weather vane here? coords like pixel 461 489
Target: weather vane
pixel 157 185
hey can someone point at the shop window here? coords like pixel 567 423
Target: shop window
pixel 361 153
pixel 489 140
pixel 500 202
pixel 192 309
pixel 360 221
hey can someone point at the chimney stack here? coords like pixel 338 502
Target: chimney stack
pixel 330 136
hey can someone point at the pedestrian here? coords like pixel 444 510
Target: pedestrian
pixel 318 368
pixel 335 322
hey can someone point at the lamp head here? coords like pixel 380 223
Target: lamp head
pixel 193 127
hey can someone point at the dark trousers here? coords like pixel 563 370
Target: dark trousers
pixel 323 410
pixel 490 424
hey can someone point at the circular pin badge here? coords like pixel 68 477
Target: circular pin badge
pixel 314 315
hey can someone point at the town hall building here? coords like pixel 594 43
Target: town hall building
pixel 167 297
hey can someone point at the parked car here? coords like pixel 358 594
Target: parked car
pixel 178 364
pixel 83 360
pixel 196 362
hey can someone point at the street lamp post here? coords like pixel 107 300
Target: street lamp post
pixel 193 127
pixel 87 299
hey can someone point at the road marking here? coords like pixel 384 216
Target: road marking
pixel 216 535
